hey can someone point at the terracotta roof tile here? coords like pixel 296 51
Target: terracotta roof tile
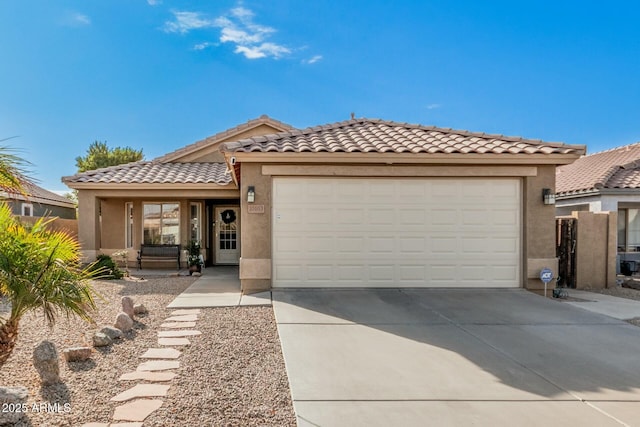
pixel 615 168
pixel 156 173
pixel 374 135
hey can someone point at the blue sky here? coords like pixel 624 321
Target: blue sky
pixel 161 74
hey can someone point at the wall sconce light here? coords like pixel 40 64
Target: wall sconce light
pixel 548 198
pixel 251 194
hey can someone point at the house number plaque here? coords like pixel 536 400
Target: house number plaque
pixel 255 209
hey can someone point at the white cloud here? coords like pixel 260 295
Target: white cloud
pixel 186 21
pixel 313 59
pixel 433 106
pixel 81 19
pixel 248 37
pixel 262 51
pixel 202 46
pixel 154 2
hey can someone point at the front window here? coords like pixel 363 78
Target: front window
pixel 128 218
pixel 629 230
pixel 195 219
pixel 161 223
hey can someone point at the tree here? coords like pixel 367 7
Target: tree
pixel 39 267
pixel 99 155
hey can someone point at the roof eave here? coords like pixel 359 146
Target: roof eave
pixel 402 158
pixel 150 186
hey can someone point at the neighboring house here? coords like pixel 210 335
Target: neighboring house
pixel 357 203
pixel 38 202
pixel 608 181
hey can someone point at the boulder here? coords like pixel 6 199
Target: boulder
pixel 101 339
pixel 111 332
pixel 123 322
pixel 12 397
pixel 77 354
pixel 46 362
pixel 127 306
pixel 140 309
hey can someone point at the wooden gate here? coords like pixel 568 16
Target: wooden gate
pixel 566 240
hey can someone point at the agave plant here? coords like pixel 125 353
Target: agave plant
pixel 39 270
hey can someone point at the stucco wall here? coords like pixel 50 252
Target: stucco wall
pixel 69 226
pixel 539 228
pixel 255 256
pixel 596 249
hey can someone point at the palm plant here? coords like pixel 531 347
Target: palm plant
pixel 13 177
pixel 39 269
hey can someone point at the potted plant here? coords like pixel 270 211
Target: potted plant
pixel 194 259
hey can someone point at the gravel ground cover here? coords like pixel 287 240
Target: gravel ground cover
pixel 241 381
pixel 231 375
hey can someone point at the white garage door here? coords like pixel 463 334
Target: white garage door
pixel 342 232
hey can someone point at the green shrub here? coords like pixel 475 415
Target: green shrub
pixel 110 269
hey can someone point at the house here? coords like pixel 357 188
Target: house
pixel 38 202
pixel 363 202
pixel 608 181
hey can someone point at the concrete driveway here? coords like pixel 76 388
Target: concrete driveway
pixel 455 357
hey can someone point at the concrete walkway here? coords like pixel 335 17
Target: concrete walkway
pixel 455 357
pixel 218 287
pixel 618 308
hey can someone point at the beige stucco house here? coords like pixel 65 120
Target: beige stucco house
pixel 359 203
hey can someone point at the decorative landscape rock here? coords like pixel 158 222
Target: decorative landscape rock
pixel 153 376
pixel 12 396
pixel 77 354
pixel 161 353
pixel 158 365
pixel 111 332
pixel 142 390
pixel 46 362
pixel 137 410
pixel 127 306
pixel 140 309
pixel 123 322
pixel 176 334
pixel 101 339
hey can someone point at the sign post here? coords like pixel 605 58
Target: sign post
pixel 546 275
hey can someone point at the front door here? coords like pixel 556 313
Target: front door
pixel 227 236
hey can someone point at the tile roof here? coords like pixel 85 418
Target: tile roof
pixel 264 119
pixel 615 168
pixel 41 195
pixel 146 172
pixel 379 136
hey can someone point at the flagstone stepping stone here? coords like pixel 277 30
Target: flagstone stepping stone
pixel 142 390
pixel 148 376
pixel 185 311
pixel 183 318
pixel 95 425
pixel 137 410
pixel 177 325
pixel 126 425
pixel 175 334
pixel 173 341
pixel 161 353
pixel 158 365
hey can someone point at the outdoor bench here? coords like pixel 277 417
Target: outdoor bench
pixel 158 252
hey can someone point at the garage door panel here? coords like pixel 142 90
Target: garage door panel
pixel 396 232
